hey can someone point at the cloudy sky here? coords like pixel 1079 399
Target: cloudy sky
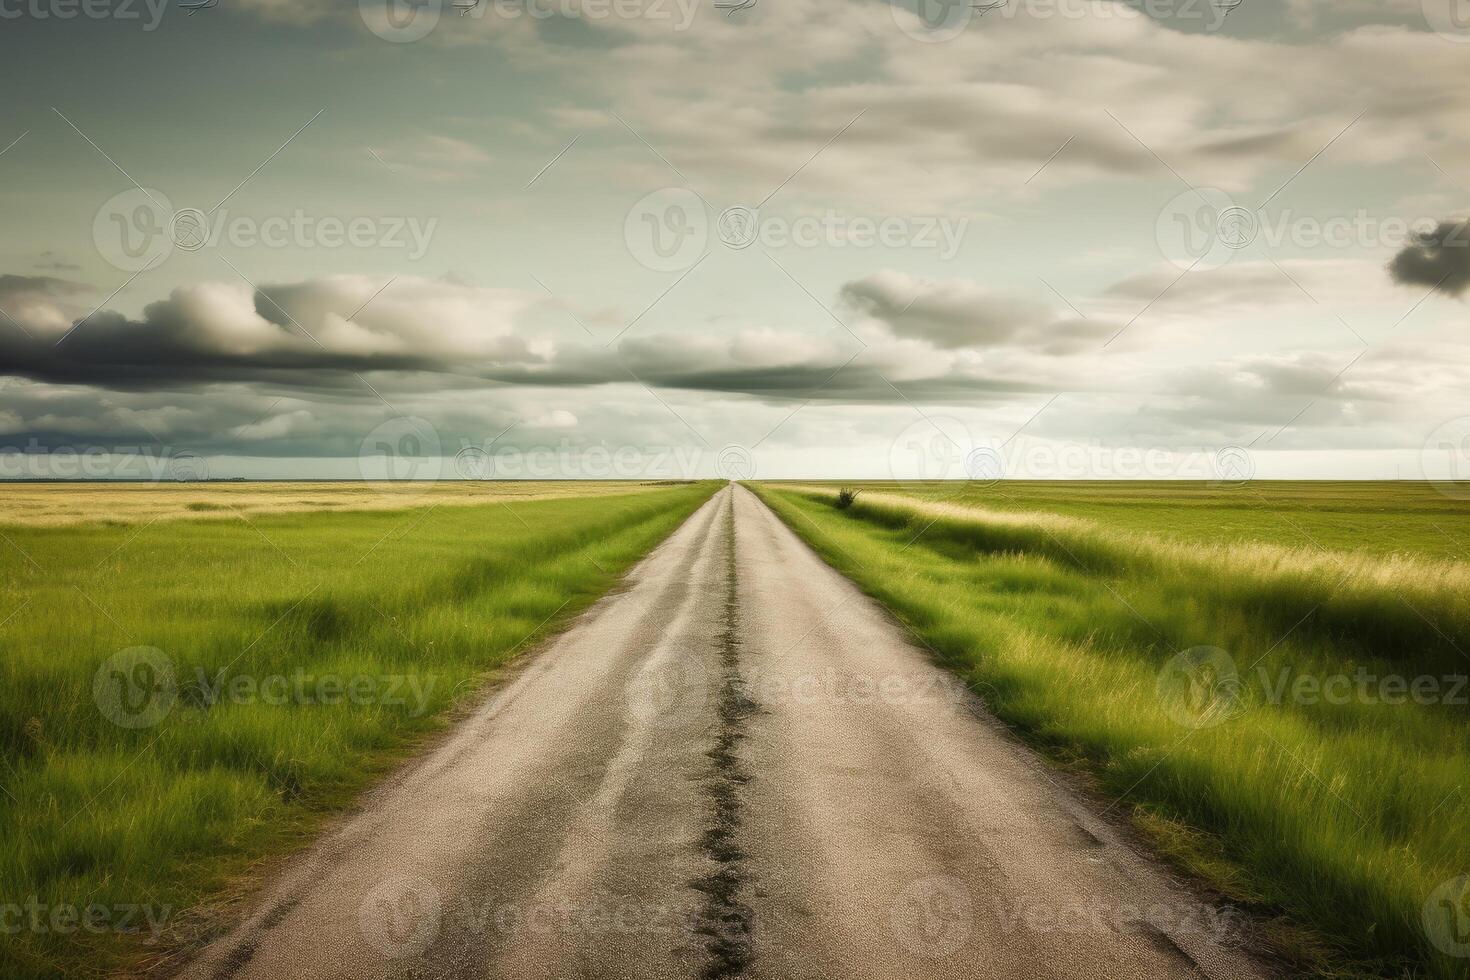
pixel 1168 238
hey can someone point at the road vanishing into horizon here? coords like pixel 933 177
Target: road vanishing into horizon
pixel 736 765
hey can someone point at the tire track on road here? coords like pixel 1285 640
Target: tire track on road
pixel 725 919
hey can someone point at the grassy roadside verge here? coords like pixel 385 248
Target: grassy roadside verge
pixel 186 698
pixel 1347 516
pixel 1220 698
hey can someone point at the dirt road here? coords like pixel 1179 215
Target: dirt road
pixel 737 766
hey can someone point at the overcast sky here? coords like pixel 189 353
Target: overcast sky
pixel 1173 238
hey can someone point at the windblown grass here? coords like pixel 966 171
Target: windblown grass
pixel 1399 606
pixel 1340 814
pixel 1365 518
pixel 416 608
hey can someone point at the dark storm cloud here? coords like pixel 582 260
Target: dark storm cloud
pixel 955 314
pixel 834 378
pixel 305 334
pixel 320 335
pixel 1439 259
pixel 28 289
pixel 220 368
pixel 950 314
pixel 855 383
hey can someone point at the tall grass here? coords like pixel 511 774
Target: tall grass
pixel 1404 607
pixel 1375 518
pixel 1340 815
pixel 416 608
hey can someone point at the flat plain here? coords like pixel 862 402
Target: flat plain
pixel 51 504
pixel 186 696
pixel 1263 685
pixel 1269 680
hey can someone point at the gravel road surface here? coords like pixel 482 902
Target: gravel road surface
pixel 737 765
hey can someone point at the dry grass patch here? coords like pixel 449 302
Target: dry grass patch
pixel 59 504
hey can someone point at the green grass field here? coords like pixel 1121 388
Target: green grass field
pixel 1237 668
pixel 1267 680
pixel 184 698
pixel 1368 518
